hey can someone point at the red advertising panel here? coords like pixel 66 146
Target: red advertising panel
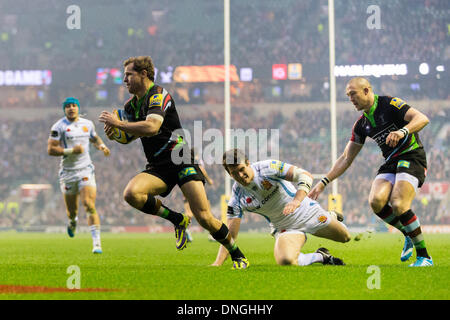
pixel 279 72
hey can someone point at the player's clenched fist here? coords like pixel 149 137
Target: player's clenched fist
pixel 78 149
pixel 394 137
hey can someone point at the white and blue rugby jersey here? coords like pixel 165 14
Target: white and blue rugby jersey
pixel 267 195
pixel 73 133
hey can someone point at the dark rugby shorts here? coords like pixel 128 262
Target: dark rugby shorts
pixel 173 174
pixel 413 163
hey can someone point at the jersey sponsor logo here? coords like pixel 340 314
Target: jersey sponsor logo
pixel 54 134
pixel 156 100
pixel 186 172
pixel 322 218
pixel 398 103
pixel 277 165
pixel 380 137
pixel 266 184
pixel 85 129
pixel 68 130
pixel 258 204
pixel 403 163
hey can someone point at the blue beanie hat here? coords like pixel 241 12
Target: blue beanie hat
pixel 69 101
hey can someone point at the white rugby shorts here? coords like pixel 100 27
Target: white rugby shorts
pixel 72 181
pixel 313 220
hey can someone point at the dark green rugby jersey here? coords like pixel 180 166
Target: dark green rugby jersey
pixel 158 101
pixel 386 115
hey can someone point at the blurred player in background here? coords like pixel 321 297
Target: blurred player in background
pixel 265 188
pixel 394 126
pixel 187 208
pixel 69 138
pixel 154 118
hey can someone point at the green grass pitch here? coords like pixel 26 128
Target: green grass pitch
pixel 148 267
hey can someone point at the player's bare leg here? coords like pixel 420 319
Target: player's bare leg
pixel 140 193
pixel 287 248
pixel 335 231
pixel 137 190
pixel 403 194
pixel 195 193
pixel 88 196
pixel 379 198
pixel 188 212
pixel 379 194
pixel 71 201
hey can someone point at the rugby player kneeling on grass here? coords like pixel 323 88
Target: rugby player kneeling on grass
pixel 277 191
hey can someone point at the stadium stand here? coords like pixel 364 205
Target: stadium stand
pixel 263 33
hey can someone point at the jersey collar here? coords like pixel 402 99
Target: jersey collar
pixel 139 102
pixel 370 116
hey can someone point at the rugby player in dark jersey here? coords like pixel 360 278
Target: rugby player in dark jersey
pixel 394 125
pixel 154 118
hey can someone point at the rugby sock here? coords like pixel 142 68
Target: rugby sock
pixel 172 216
pixel 388 216
pixel 223 236
pixel 413 230
pixel 95 233
pixel 73 219
pixel 155 207
pixel 305 259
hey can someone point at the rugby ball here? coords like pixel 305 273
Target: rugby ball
pixel 120 135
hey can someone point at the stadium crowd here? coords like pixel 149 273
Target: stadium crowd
pixel 262 33
pixel 258 36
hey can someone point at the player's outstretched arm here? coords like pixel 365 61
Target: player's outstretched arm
pixel 233 225
pixel 340 166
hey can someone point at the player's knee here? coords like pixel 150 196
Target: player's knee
pixel 377 203
pixel 346 237
pixel 131 197
pixel 398 206
pixel 88 205
pixel 286 261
